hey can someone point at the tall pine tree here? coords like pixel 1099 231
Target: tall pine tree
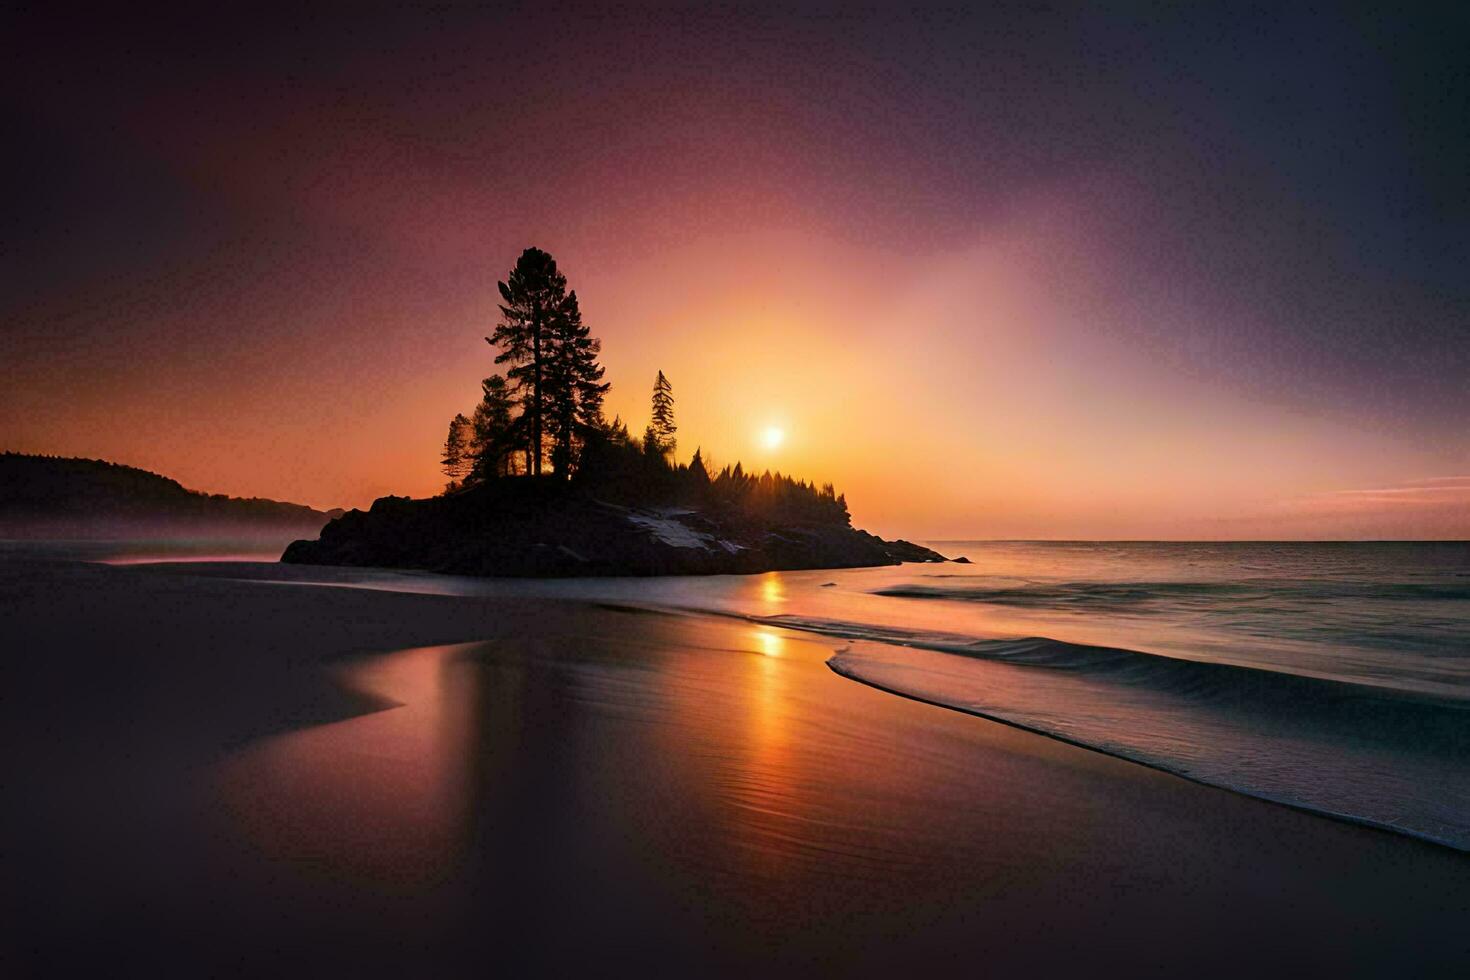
pixel 662 425
pixel 533 296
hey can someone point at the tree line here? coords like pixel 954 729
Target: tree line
pixel 543 417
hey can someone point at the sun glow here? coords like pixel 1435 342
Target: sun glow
pixel 772 436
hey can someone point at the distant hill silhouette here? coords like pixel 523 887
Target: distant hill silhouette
pixel 51 496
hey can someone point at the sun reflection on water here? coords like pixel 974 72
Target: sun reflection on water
pixel 772 590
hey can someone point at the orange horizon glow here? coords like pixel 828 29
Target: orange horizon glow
pixel 997 420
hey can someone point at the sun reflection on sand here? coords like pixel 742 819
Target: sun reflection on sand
pixel 768 784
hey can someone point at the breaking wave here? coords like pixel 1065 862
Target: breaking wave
pixel 1110 595
pixel 1386 757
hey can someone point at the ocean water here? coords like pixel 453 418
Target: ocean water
pixel 1334 677
pixel 1390 614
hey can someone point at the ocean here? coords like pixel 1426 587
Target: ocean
pixel 1329 676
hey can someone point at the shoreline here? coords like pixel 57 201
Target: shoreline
pixel 999 719
pixel 606 780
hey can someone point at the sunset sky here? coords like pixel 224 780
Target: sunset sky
pixel 1167 274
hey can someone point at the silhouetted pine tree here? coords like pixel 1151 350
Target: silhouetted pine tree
pixel 496 431
pixel 459 451
pixel 662 426
pixel 652 446
pixel 534 295
pixel 573 384
pixel 697 472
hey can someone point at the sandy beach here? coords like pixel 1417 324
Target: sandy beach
pixel 245 776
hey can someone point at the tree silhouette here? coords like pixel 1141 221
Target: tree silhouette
pixel 496 430
pixel 662 426
pixel 459 451
pixel 572 383
pixel 617 432
pixel 534 295
pixel 548 405
pixel 652 447
pixel 697 471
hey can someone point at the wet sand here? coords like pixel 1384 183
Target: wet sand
pixel 256 776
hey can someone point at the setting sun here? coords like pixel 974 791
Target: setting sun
pixel 772 436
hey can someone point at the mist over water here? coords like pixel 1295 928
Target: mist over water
pixel 132 544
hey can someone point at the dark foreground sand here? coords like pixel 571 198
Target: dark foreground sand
pixel 253 777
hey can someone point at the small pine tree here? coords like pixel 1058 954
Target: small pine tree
pixel 697 471
pixel 496 432
pixel 458 452
pixel 652 447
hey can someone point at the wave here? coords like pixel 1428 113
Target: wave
pixel 1196 679
pixel 1114 594
pixel 1385 757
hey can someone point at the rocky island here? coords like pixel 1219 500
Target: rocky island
pixel 540 484
pixel 541 527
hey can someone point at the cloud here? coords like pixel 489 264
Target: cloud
pixel 1430 508
pixel 1431 492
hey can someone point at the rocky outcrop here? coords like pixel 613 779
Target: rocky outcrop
pixel 531 528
